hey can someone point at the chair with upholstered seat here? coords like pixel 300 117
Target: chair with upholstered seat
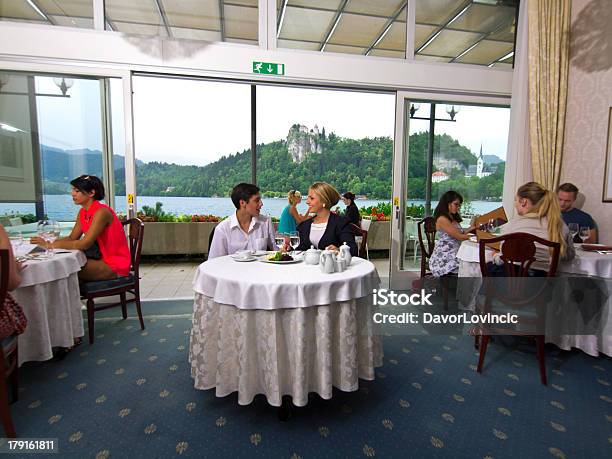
pixel 120 286
pixel 525 298
pixel 8 357
pixel 362 236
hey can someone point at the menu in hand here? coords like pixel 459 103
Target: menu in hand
pixel 498 216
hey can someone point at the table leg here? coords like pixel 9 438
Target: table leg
pixel 286 408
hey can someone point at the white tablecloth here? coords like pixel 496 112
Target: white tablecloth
pixel 258 285
pixel 585 263
pixel 298 345
pixel 49 296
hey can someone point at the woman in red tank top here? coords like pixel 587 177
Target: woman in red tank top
pixel 96 223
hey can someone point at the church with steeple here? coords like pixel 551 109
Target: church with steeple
pixel 479 169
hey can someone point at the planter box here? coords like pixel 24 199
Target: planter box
pixel 176 238
pixel 379 236
pixel 192 238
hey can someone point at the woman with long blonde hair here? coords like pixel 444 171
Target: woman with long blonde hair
pixel 539 214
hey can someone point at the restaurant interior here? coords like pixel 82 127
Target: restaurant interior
pixel 299 355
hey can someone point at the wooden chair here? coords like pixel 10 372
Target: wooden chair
pixel 9 367
pixel 120 286
pixel 518 254
pixel 363 245
pixel 427 232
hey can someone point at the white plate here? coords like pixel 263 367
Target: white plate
pixel 241 259
pixel 280 262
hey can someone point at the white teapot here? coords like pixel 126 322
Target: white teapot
pixel 312 256
pixel 345 252
pixel 326 262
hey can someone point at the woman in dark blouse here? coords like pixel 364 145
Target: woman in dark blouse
pixel 352 211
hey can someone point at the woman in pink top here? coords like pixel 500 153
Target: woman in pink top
pixel 96 224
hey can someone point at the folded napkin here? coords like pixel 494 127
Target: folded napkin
pixel 596 247
pixel 23 249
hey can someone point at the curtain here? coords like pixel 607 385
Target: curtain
pixel 518 156
pixel 549 26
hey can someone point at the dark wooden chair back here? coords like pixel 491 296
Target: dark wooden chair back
pixel 518 253
pixel 427 232
pixel 135 234
pixel 8 356
pixel 134 228
pixel 361 249
pixel 210 238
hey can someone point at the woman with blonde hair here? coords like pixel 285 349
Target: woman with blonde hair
pixel 326 230
pixel 539 214
pixel 290 217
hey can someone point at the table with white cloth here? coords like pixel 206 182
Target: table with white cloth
pixel 585 263
pixel 282 329
pixel 49 296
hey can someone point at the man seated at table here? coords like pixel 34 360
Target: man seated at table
pixel 567 194
pixel 245 229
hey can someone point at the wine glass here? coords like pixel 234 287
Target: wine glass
pixel 491 225
pixel 279 238
pixel 585 233
pixel 294 239
pixel 573 229
pixel 16 238
pixel 50 233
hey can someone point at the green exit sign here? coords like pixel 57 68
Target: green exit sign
pixel 268 68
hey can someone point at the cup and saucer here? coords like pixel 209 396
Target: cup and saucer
pixel 243 255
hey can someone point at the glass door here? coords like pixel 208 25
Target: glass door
pixel 440 145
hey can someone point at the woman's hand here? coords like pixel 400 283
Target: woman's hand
pixel 38 241
pixel 332 247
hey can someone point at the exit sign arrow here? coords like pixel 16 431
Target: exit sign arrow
pixel 268 68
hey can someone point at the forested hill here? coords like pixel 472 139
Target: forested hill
pixel 362 166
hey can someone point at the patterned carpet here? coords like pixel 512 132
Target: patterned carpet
pixel 131 395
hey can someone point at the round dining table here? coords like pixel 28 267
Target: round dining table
pixel 50 299
pixel 282 329
pixel 585 263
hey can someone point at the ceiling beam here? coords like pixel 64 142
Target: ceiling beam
pixel 164 18
pixel 386 28
pixel 36 7
pixel 222 19
pixel 330 32
pixel 281 17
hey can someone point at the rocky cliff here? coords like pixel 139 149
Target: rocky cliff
pixel 302 142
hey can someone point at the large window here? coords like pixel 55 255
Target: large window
pixel 51 131
pixel 308 135
pixel 192 140
pixel 67 13
pixel 210 20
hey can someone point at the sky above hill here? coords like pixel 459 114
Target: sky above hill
pixel 196 122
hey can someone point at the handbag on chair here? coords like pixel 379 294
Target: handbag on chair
pixel 12 319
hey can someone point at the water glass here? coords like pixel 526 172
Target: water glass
pixel 294 239
pixel 279 238
pixel 573 229
pixel 584 234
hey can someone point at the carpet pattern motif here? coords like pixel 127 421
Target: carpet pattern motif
pixel 131 395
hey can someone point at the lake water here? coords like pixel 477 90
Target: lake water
pixel 61 207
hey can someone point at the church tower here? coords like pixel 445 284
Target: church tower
pixel 480 164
